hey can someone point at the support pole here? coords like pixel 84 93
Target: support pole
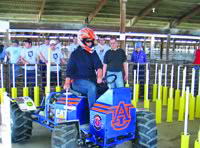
pixel 182 99
pixel 122 21
pixel 13 89
pixel 159 102
pixel 165 88
pixel 155 86
pixel 36 88
pixel 25 89
pixel 2 89
pixel 146 99
pixel 192 98
pixel 185 137
pixel 170 99
pixel 197 113
pixel 58 88
pixel 177 92
pixel 134 102
pixel 168 46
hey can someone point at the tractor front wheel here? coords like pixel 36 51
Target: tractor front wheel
pixel 21 124
pixel 65 136
pixel 146 130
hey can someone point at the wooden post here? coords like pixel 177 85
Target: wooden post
pixel 122 21
pixel 168 46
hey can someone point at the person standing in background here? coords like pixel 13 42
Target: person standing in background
pixel 13 53
pixel 56 58
pixel 139 56
pixel 58 44
pixel 115 62
pixel 73 46
pixel 2 52
pixel 102 48
pixel 29 55
pixel 43 56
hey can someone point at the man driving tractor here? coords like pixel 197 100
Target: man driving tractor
pixel 84 69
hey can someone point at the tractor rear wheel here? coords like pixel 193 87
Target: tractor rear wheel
pixel 65 136
pixel 146 130
pixel 21 124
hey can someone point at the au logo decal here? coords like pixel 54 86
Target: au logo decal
pixel 121 116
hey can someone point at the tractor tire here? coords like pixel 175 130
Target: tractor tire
pixel 65 136
pixel 21 124
pixel 146 130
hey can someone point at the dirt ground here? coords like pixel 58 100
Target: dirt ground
pixel 168 133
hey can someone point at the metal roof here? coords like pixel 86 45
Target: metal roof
pixel 180 14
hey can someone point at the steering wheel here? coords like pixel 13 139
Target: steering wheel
pixel 113 76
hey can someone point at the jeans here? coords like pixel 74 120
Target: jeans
pixel 119 82
pixel 86 87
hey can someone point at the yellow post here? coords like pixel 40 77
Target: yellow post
pixel 158 111
pixel 165 95
pixel 126 85
pixel 196 144
pixel 170 110
pixel 177 99
pixel 46 90
pixel 155 91
pixel 14 92
pixel 137 90
pixel 145 91
pixel 37 96
pixel 146 104
pixel 134 103
pixel 2 90
pixel 58 89
pixel 181 109
pixel 197 113
pixel 171 91
pixel 161 91
pixel 191 107
pixel 185 141
pixel 25 92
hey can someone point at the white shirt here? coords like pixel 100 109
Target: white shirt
pixel 56 56
pixel 72 47
pixel 101 52
pixel 30 55
pixel 14 53
pixel 44 50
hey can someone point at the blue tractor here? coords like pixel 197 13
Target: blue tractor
pixel 111 121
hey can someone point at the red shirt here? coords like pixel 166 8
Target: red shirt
pixel 197 57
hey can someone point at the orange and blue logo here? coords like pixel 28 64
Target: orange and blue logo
pixel 121 116
pixel 97 122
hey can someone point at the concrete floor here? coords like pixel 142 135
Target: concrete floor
pixel 168 133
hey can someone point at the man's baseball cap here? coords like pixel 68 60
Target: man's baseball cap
pixel 138 45
pixel 15 41
pixel 52 42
